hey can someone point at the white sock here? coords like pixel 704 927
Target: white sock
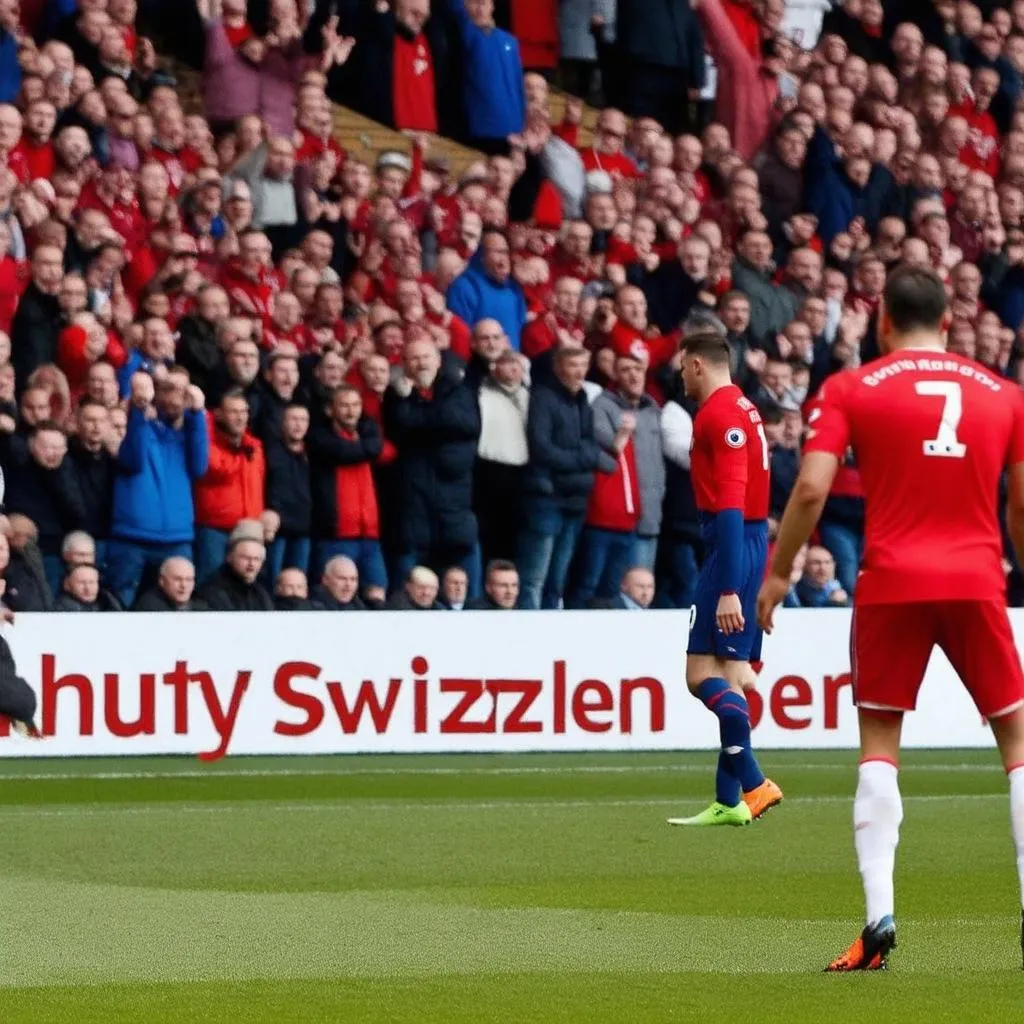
pixel 877 814
pixel 1017 820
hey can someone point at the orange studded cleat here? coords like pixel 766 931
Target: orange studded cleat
pixel 869 951
pixel 763 799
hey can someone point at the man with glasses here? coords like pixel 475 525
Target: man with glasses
pixel 607 154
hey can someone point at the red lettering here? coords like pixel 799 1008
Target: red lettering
pixel 583 709
pixel 145 724
pixel 833 684
pixel 366 700
pixel 558 697
pixel 455 721
pixel 656 694
pixel 223 721
pixel 755 702
pixel 179 680
pixel 292 698
pixel 419 706
pixel 529 691
pixel 52 685
pixel 782 701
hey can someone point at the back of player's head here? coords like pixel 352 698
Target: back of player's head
pixel 707 344
pixel 915 299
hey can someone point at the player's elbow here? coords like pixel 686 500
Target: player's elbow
pixel 810 491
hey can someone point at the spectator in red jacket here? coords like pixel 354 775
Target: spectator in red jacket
pixel 232 487
pixel 346 518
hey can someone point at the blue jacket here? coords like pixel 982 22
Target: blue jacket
pixel 564 453
pixel 493 83
pixel 833 198
pixel 157 466
pixel 10 69
pixel 136 362
pixel 475 297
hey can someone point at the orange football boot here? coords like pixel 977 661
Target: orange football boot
pixel 763 799
pixel 869 949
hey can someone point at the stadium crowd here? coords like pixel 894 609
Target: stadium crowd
pixel 241 368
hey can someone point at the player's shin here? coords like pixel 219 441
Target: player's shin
pixel 1016 776
pixel 736 761
pixel 877 815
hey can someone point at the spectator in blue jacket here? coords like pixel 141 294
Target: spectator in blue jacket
pixel 10 69
pixel 819 587
pixel 837 191
pixel 559 477
pixel 155 349
pixel 493 77
pixel 165 450
pixel 487 291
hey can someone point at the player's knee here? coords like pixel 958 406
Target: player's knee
pixel 700 667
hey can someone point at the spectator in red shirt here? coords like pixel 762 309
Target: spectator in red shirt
pixel 606 154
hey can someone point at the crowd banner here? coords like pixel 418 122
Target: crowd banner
pixel 212 685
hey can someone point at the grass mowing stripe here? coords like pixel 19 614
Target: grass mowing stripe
pixel 298 773
pixel 406 807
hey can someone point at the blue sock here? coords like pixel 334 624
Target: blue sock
pixel 737 758
pixel 727 786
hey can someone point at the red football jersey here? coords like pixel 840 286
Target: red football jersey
pixel 932 433
pixel 729 459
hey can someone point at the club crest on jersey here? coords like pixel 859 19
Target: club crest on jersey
pixel 735 438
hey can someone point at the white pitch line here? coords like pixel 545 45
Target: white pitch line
pixel 359 806
pixel 262 773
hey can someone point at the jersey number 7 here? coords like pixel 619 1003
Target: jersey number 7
pixel 945 444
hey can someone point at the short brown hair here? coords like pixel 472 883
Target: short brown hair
pixel 915 299
pixel 708 344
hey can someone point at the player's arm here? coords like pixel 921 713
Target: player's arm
pixel 729 443
pixel 828 436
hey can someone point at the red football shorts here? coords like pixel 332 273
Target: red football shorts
pixel 891 645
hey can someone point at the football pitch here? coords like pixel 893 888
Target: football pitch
pixel 535 888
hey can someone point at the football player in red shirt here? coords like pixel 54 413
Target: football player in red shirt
pixel 932 433
pixel 729 466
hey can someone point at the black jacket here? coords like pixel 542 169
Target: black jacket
pixel 226 591
pixel 27 589
pixel 95 472
pixel 294 604
pixel 329 452
pixel 105 602
pixel 484 604
pixel 437 440
pixel 34 333
pixel 267 424
pixel 563 451
pixel 51 498
pixel 365 82
pixel 324 601
pixel 17 698
pixel 198 350
pixel 155 600
pixel 665 33
pixel 402 602
pixel 288 489
pixel 671 294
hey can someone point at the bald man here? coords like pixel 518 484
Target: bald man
pixel 419 593
pixel 173 590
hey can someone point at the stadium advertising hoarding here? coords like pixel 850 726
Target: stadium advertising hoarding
pixel 323 683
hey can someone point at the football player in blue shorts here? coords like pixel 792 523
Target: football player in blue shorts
pixel 729 467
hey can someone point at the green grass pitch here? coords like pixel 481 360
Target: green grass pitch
pixel 467 890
